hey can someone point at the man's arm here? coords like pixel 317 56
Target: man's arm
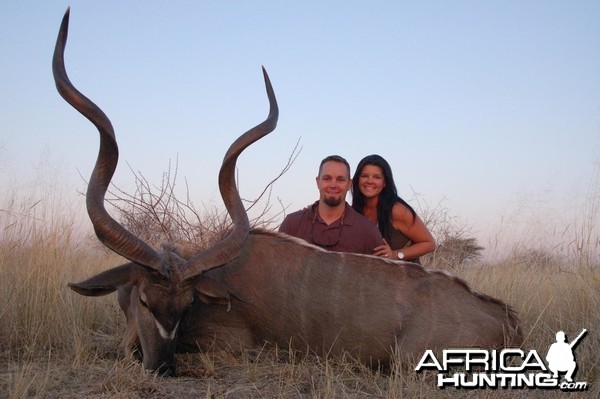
pixel 376 238
pixel 291 224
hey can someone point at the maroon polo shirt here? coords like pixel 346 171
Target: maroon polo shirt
pixel 351 233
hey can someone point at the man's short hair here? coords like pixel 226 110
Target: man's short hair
pixel 334 158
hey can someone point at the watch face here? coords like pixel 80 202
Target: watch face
pixel 400 255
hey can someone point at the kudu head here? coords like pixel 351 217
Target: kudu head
pixel 157 286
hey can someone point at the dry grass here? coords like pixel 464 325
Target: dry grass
pixel 54 343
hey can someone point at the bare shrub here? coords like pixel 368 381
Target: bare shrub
pixel 455 251
pixel 455 245
pixel 155 214
pixel 535 258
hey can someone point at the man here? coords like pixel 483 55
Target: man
pixel 330 222
pixel 560 355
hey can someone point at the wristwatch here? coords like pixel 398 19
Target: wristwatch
pixel 400 255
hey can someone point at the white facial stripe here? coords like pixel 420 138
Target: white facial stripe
pixel 164 333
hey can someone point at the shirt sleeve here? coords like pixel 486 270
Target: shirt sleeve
pixel 286 226
pixel 376 240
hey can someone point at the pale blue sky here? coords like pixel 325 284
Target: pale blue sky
pixel 484 105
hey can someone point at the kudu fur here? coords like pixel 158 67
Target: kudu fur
pixel 258 286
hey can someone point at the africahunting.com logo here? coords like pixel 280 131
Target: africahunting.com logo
pixel 507 368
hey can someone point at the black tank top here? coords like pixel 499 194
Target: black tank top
pixel 398 240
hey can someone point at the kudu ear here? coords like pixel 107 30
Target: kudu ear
pixel 105 282
pixel 212 291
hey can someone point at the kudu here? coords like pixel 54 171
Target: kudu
pixel 258 286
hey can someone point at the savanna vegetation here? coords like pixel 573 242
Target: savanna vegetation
pixel 57 344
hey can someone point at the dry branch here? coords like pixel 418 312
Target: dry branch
pixel 155 213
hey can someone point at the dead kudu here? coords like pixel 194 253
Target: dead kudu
pixel 258 287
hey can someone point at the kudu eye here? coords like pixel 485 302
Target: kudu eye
pixel 143 301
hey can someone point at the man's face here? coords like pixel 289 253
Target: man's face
pixel 333 183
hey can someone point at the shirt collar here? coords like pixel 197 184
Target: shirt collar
pixel 348 217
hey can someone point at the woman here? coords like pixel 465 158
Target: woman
pixel 374 195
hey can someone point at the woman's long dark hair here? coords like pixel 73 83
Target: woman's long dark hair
pixel 387 198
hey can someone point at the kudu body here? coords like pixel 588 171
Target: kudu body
pixel 257 287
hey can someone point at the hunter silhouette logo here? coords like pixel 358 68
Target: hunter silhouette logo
pixel 560 356
pixel 506 368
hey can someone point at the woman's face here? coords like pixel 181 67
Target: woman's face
pixel 371 181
